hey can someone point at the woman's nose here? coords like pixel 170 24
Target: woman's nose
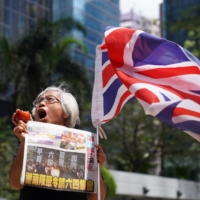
pixel 42 103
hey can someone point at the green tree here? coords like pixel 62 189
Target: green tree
pixel 133 140
pixel 188 19
pixel 188 22
pixel 191 24
pixel 193 42
pixel 181 157
pixel 41 58
pixel 7 148
pixel 111 185
pixel 185 162
pixel 141 143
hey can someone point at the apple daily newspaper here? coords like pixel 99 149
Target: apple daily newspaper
pixel 59 158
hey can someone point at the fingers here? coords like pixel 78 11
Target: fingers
pixel 31 118
pixel 14 119
pixel 20 129
pixel 101 156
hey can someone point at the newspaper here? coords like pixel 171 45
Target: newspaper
pixel 59 158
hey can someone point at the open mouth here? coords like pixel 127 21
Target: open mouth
pixel 42 114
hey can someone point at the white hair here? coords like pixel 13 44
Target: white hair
pixel 68 104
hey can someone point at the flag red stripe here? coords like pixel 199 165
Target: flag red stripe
pixel 107 73
pixel 183 94
pixel 128 81
pixel 103 47
pixel 123 98
pixel 178 111
pixel 170 72
pixel 116 49
pixel 147 96
pixel 118 109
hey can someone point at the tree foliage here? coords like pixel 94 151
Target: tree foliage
pixel 188 19
pixel 41 58
pixel 7 148
pixel 141 143
pixel 111 185
pixel 193 42
pixel 188 22
pixel 191 24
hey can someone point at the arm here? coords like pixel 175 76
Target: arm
pixel 15 170
pixel 101 158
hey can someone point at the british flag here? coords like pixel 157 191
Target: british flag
pixel 160 74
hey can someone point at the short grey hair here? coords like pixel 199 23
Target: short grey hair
pixel 68 104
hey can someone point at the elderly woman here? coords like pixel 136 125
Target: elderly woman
pixel 54 105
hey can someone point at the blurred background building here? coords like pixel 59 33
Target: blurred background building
pixel 95 15
pixel 138 21
pixel 20 16
pixel 171 12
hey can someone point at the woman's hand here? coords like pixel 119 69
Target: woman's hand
pixel 101 156
pixel 20 128
pixel 25 116
pixel 15 120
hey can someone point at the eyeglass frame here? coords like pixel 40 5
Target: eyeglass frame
pixel 40 99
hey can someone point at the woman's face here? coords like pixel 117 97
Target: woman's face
pixel 49 110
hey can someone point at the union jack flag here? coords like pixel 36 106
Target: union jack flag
pixel 160 74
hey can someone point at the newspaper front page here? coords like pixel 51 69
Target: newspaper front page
pixel 59 158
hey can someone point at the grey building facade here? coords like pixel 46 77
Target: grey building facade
pixel 18 17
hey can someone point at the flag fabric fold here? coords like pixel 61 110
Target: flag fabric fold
pixel 161 75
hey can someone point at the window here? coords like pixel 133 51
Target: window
pixel 21 6
pixel 7 16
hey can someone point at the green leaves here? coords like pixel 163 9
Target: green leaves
pixel 7 147
pixel 188 23
pixel 188 19
pixel 141 143
pixel 41 58
pixel 193 42
pixel 111 185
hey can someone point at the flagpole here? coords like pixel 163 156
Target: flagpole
pixel 98 169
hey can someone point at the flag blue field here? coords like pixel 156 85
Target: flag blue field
pixel 161 75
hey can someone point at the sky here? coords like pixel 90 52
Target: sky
pixel 147 8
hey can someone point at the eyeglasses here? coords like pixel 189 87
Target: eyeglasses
pixel 47 99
